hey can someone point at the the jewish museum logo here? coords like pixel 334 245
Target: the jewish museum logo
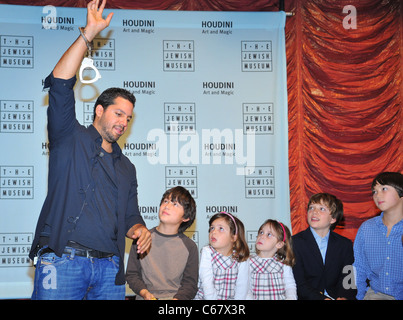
pixel 17 52
pixel 184 176
pixel 16 182
pixel 14 249
pixel 178 55
pixel 259 182
pixel 258 118
pixel 16 116
pixel 256 56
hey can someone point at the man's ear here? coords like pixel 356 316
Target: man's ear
pixel 99 110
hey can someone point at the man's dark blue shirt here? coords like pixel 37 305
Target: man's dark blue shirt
pixel 92 196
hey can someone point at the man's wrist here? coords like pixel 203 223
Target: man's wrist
pixel 85 36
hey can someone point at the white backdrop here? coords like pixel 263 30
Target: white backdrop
pixel 211 115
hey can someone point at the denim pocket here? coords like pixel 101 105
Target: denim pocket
pixel 51 259
pixel 115 261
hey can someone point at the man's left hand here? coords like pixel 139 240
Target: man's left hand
pixel 143 236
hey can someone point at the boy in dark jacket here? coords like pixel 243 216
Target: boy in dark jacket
pixel 321 254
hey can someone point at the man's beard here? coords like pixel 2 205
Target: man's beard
pixel 109 136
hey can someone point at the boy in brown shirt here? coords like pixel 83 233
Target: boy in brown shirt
pixel 169 269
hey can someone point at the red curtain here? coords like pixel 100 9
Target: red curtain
pixel 344 94
pixel 345 111
pixel 189 5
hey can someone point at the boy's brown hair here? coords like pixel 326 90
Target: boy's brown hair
pixel 334 204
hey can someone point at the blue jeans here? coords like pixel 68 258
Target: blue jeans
pixel 72 277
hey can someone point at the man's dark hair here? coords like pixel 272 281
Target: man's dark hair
pixel 109 95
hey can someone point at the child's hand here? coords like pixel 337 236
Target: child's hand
pixel 147 295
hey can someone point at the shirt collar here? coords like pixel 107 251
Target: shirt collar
pixel 116 151
pixel 318 238
pixel 379 220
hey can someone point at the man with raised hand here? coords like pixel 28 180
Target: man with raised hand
pixel 91 204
